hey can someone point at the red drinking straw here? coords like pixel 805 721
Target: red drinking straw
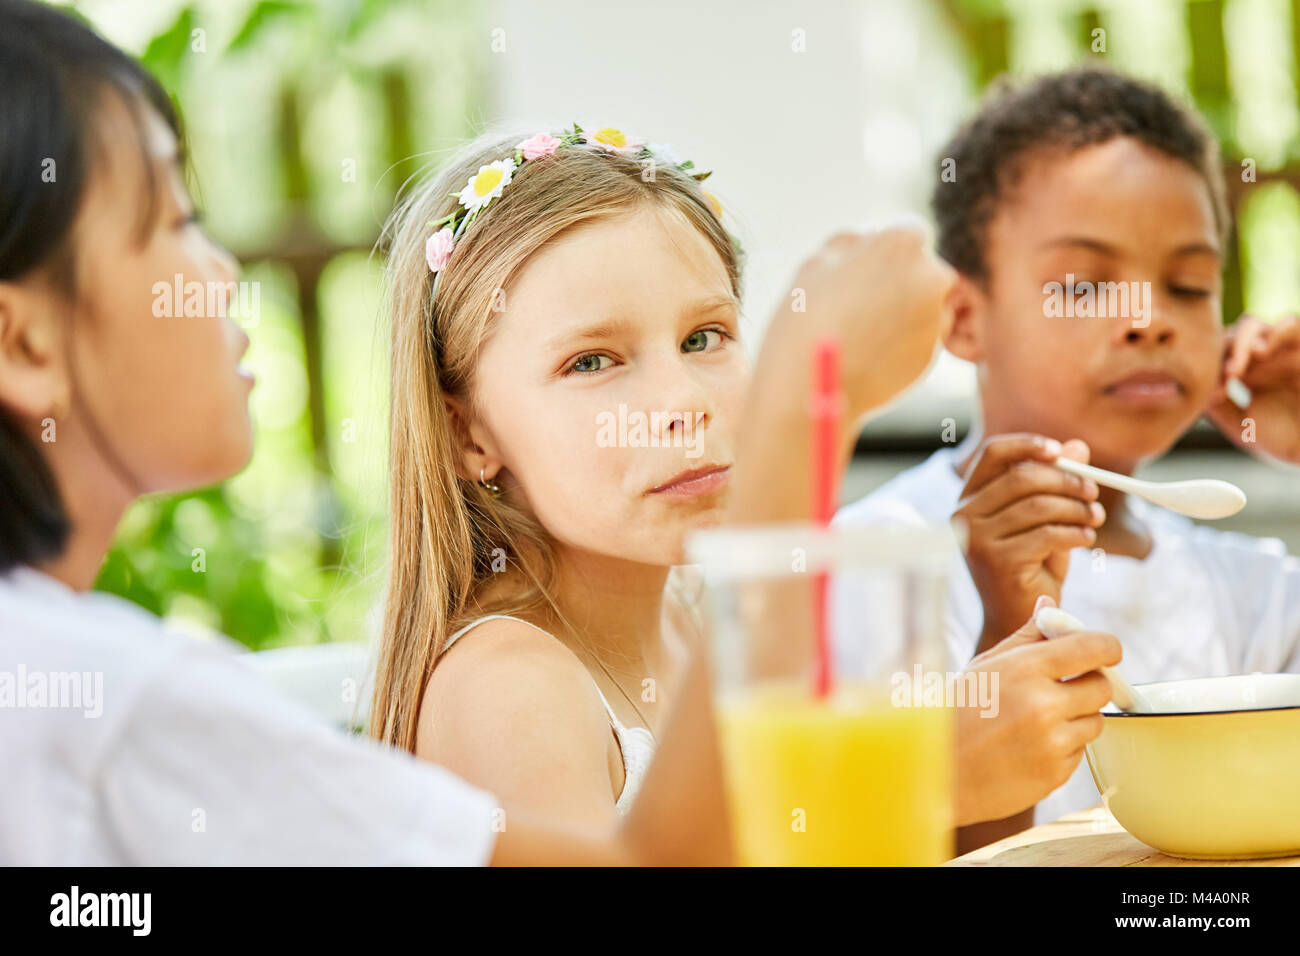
pixel 827 411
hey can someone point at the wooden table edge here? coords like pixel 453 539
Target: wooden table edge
pixel 1026 848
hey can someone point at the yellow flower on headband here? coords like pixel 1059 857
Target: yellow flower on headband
pixel 714 202
pixel 486 184
pixel 614 140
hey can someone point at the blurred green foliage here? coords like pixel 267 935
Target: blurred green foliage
pixel 302 120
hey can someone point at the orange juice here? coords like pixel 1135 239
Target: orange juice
pixel 852 780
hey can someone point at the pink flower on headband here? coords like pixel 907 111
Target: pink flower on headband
pixel 437 250
pixel 542 144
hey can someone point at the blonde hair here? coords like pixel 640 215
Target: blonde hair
pixel 445 529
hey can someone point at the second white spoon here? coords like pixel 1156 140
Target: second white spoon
pixel 1053 622
pixel 1197 498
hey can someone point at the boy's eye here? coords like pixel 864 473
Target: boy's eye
pixel 588 363
pixel 191 220
pixel 1189 292
pixel 698 341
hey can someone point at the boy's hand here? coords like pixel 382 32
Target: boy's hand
pixel 882 295
pixel 1022 517
pixel 1266 358
pixel 1009 762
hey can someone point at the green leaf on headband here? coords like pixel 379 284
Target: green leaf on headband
pixel 700 177
pixel 519 157
pixel 688 164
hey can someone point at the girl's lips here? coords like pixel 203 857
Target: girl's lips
pixel 246 374
pixel 700 483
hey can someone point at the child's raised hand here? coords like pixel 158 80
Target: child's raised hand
pixel 1265 357
pixel 1022 516
pixel 1010 760
pixel 882 295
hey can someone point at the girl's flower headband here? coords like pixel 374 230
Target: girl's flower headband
pixel 490 180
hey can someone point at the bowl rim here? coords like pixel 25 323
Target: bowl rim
pixel 1201 713
pixel 1209 713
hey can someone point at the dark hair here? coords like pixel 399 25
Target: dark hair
pixel 54 74
pixel 1063 111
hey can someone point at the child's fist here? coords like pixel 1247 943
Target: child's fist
pixel 882 294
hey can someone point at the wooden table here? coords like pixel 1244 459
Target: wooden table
pixel 1087 838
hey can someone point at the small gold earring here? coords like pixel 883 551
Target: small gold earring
pixel 492 487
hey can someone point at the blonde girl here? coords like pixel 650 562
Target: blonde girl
pixel 598 283
pixel 533 635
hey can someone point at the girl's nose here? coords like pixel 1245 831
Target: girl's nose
pixel 686 405
pixel 684 423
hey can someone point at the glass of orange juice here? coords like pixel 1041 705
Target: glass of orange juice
pixel 855 770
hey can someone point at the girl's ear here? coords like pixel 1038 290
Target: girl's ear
pixel 474 448
pixel 969 306
pixel 33 375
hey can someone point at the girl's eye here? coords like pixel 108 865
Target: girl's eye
pixel 588 363
pixel 1189 292
pixel 698 341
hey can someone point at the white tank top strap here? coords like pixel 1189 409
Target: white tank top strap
pixel 636 744
pixel 489 617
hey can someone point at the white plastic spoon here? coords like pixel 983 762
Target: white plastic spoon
pixel 1198 498
pixel 1053 622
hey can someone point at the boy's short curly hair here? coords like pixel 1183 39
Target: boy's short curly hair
pixel 1059 111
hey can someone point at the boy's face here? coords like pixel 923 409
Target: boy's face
pixel 1131 377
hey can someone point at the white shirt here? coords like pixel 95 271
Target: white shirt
pixel 1204 603
pixel 166 749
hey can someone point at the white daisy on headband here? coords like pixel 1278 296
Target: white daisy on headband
pixel 614 140
pixel 486 184
pixel 664 153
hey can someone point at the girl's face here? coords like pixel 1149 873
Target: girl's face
pixel 162 384
pixel 614 368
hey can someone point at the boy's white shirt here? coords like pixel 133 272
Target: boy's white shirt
pixel 1204 603
pixel 191 759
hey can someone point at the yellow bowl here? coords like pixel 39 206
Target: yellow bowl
pixel 1215 775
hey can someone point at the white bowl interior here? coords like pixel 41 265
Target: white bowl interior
pixel 1217 694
